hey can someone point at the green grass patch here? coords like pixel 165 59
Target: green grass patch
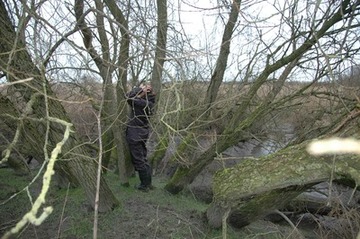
pixel 156 214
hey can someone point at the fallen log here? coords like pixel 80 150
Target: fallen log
pixel 257 187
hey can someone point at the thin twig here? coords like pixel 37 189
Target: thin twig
pixel 63 211
pixel 224 223
pixel 16 82
pixel 290 223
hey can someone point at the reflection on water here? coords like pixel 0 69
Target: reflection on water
pixel 276 140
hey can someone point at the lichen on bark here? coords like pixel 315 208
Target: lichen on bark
pixel 257 186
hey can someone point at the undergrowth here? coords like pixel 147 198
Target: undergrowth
pixel 156 214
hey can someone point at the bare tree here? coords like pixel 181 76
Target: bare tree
pixel 160 52
pixel 297 50
pixel 114 109
pixel 36 124
pixel 221 63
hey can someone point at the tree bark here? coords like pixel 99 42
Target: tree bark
pixel 258 186
pixel 16 159
pixel 75 161
pixel 124 160
pixel 160 51
pixel 221 63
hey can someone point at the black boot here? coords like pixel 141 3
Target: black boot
pixel 149 178
pixel 144 181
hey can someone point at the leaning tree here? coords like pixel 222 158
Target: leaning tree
pixel 40 117
pixel 316 43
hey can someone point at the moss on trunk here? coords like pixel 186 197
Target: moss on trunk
pixel 159 151
pixel 75 160
pixel 257 186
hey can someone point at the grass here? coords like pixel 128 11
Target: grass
pixel 142 215
pixel 156 214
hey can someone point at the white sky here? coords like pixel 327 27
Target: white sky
pixel 200 19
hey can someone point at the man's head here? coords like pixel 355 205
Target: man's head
pixel 147 88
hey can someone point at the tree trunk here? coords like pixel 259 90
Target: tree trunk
pixel 75 161
pixel 122 151
pixel 221 63
pixel 258 186
pixel 160 51
pixel 19 152
pixel 159 152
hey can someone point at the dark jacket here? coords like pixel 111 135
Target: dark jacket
pixel 140 111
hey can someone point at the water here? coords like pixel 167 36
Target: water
pixel 277 139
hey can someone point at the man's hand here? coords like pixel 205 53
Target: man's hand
pixel 145 90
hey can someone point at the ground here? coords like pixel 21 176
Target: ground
pixel 155 214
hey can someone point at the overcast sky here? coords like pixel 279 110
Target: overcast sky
pixel 201 22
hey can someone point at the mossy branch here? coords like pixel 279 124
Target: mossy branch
pixel 31 216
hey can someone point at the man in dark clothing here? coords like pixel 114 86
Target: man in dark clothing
pixel 141 100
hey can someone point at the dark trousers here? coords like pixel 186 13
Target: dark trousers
pixel 136 138
pixel 138 153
